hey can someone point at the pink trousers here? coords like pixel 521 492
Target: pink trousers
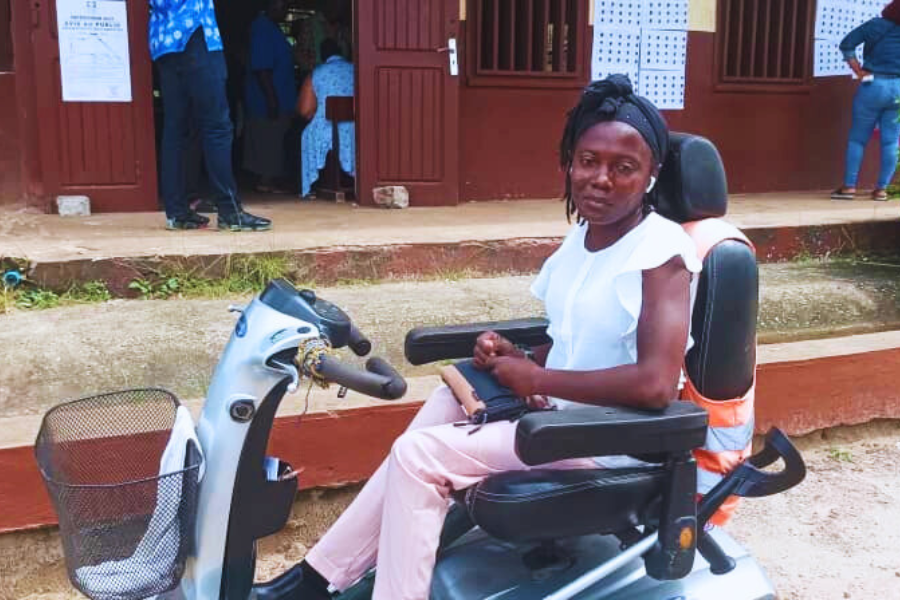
pixel 397 517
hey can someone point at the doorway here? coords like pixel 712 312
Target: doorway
pixel 303 26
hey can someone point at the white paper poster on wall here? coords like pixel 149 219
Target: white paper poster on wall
pixel 828 60
pixel 664 14
pixel 663 50
pixel 834 20
pixel 93 50
pixel 617 13
pixel 616 46
pixel 646 40
pixel 664 88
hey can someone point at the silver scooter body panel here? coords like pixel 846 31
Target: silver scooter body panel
pixel 241 375
pixel 478 566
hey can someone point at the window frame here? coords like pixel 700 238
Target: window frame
pixel 769 85
pixel 576 79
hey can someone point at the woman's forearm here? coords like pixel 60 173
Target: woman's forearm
pixel 639 385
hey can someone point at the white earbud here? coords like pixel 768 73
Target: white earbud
pixel 652 183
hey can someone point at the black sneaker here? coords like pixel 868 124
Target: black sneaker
pixel 243 221
pixel 191 220
pixel 202 205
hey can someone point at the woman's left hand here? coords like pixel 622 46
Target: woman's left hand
pixel 518 374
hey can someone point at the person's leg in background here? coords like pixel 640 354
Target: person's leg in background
pixel 865 115
pixel 176 114
pixel 207 76
pixel 889 125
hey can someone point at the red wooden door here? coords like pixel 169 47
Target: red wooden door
pixel 104 150
pixel 408 101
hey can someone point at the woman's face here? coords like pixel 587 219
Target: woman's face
pixel 611 170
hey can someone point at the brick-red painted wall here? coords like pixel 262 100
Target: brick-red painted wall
pixel 10 150
pixel 769 141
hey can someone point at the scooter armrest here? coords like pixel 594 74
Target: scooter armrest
pixel 428 344
pixel 547 436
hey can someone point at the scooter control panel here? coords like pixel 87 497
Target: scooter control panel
pixel 304 305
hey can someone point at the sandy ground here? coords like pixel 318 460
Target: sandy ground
pixel 832 537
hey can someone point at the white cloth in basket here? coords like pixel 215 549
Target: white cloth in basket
pixel 138 575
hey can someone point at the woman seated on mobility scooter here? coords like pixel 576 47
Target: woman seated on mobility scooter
pixel 618 296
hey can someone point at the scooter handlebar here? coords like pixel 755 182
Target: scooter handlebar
pixel 379 380
pixel 358 342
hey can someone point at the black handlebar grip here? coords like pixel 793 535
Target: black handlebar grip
pixel 397 385
pixel 358 342
pixel 387 385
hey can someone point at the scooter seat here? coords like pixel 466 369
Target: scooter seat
pixel 548 504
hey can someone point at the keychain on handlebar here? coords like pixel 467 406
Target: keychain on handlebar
pixel 308 359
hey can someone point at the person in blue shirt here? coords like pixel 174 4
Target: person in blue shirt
pixel 334 77
pixel 269 97
pixel 186 46
pixel 876 100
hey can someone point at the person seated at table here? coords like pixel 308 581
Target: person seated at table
pixel 334 77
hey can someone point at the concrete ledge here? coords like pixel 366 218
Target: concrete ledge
pixel 329 264
pixel 802 386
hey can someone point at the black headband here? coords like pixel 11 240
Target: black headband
pixel 613 99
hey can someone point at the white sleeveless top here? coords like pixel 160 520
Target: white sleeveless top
pixel 593 299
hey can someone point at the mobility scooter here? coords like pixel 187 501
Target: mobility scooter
pixel 131 531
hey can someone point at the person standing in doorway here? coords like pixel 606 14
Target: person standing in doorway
pixel 334 77
pixel 270 96
pixel 186 46
pixel 876 100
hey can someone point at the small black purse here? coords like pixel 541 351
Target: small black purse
pixel 482 397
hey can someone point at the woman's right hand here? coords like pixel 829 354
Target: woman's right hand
pixel 491 344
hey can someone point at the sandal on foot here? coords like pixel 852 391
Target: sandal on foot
pixel 841 194
pixel 879 195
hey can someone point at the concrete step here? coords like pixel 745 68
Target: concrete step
pixel 68 352
pixel 325 243
pixel 813 373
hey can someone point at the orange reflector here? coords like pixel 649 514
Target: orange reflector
pixel 686 538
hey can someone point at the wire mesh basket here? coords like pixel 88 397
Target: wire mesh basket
pixel 126 517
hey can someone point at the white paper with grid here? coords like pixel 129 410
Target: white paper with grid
pixel 637 36
pixel 835 19
pixel 828 60
pixel 614 45
pixel 663 50
pixel 617 13
pixel 664 14
pixel 664 88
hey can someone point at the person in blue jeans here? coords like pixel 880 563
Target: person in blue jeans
pixel 186 47
pixel 877 100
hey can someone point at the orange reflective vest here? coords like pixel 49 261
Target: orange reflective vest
pixel 729 436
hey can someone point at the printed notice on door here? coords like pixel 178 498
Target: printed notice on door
pixel 93 50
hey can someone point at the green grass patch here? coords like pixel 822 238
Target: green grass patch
pixel 234 276
pixel 28 297
pixel 242 275
pixel 840 455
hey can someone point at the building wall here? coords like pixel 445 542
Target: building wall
pixel 768 141
pixel 10 171
pixel 9 132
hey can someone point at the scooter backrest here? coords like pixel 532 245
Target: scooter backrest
pixel 692 187
pixel 722 363
pixel 692 183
